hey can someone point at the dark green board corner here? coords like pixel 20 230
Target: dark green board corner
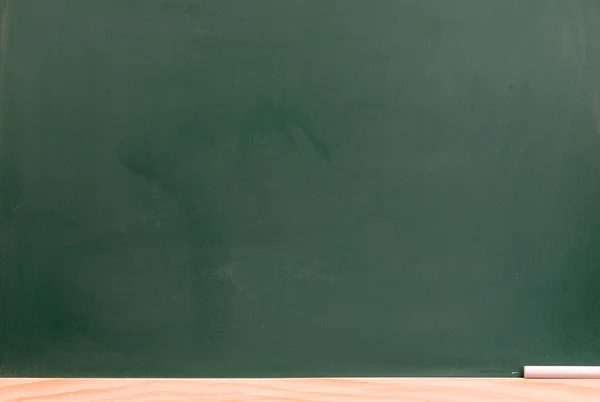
pixel 298 188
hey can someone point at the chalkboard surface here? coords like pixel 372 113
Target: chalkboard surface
pixel 299 188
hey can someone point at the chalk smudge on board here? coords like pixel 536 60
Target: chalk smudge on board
pixel 237 273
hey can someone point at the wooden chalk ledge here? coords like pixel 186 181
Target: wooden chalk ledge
pixel 308 390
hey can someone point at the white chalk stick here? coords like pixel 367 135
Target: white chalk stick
pixel 562 372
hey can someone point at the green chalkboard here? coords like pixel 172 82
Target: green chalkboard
pixel 299 188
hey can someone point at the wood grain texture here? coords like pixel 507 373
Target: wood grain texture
pixel 309 390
